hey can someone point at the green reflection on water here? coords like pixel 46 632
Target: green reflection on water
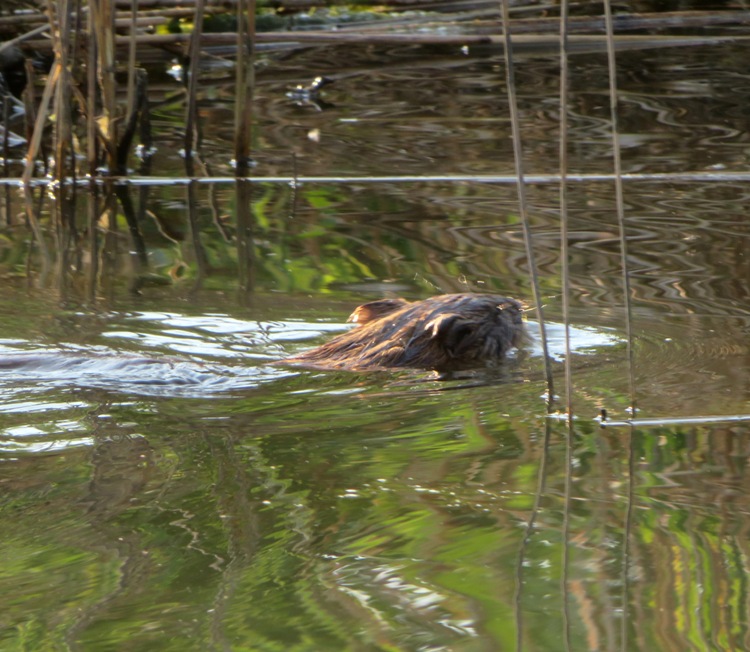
pixel 367 521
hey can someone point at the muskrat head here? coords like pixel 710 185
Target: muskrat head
pixel 447 333
pixel 467 332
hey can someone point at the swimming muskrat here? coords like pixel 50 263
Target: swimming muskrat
pixel 450 332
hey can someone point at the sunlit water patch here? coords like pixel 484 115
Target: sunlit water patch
pixel 584 340
pixel 179 355
pixel 182 365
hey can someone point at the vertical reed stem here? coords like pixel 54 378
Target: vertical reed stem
pixel 92 205
pixel 243 117
pixel 565 258
pixel 521 188
pixel 245 85
pixel 132 47
pixel 102 14
pixel 6 156
pixel 625 264
pixel 191 118
pixel 31 153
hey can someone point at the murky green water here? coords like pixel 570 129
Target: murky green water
pixel 163 486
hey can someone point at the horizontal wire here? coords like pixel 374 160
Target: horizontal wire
pixel 444 178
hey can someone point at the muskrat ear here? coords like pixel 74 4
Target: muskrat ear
pixel 358 316
pixel 375 310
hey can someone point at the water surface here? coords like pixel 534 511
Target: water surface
pixel 165 486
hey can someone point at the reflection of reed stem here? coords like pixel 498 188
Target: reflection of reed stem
pixel 139 246
pixel 92 212
pixel 564 575
pixel 294 200
pixel 631 444
pixel 245 231
pixel 213 199
pixel 540 488
pixel 201 264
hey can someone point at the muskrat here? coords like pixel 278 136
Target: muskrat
pixel 451 332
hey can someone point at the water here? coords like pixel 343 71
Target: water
pixel 166 486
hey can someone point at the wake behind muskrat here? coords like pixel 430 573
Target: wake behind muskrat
pixel 450 332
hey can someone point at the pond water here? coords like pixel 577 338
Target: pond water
pixel 166 487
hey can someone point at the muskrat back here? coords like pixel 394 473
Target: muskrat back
pixel 449 332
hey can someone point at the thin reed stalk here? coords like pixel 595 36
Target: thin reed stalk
pixel 563 158
pixel 620 201
pixel 132 50
pixel 30 162
pixel 565 261
pixel 191 113
pixel 146 143
pixel 522 204
pixel 92 205
pixel 6 45
pixel 192 141
pixel 6 155
pixel 244 84
pixel 60 15
pixel 91 74
pixel 102 12
pixel 625 265
pixel 243 121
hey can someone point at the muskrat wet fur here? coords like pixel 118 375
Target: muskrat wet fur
pixel 450 332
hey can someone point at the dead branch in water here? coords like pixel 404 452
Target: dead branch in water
pixel 479 26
